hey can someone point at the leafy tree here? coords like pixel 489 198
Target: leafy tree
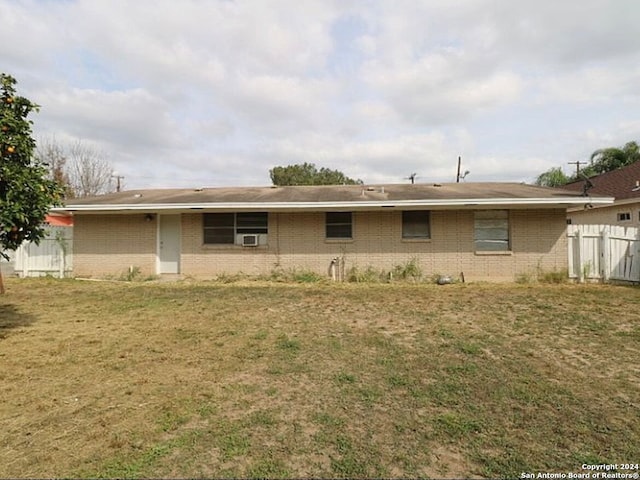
pixel 308 174
pixel 602 160
pixel 554 177
pixel 26 191
pixel 607 159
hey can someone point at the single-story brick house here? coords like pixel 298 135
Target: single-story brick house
pixel 492 231
pixel 624 185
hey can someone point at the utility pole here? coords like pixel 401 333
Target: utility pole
pixel 118 178
pixel 461 175
pixel 577 164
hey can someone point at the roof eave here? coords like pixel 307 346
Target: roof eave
pixel 448 204
pixel 616 203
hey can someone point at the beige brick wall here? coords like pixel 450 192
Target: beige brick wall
pixel 108 244
pixel 111 244
pixel 607 215
pixel 539 241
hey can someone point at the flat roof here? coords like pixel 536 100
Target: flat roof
pixel 335 197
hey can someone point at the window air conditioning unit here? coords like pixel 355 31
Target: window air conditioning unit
pixel 250 240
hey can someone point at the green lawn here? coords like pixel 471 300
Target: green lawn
pixel 257 379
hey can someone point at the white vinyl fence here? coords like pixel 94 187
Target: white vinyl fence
pixel 52 257
pixel 604 252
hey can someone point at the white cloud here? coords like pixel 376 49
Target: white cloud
pixel 221 91
pixel 267 101
pixel 438 89
pixel 178 40
pixel 28 39
pixel 131 117
pixel 591 85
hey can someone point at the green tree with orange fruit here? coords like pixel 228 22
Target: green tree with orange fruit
pixel 26 191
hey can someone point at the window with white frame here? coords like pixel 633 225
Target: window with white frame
pixel 338 225
pixel 416 224
pixel 491 231
pixel 223 228
pixel 624 216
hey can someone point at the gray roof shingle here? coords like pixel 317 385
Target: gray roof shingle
pixel 333 193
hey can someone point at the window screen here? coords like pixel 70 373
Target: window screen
pixel 252 222
pixel 491 230
pixel 338 225
pixel 222 228
pixel 415 224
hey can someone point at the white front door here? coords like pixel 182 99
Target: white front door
pixel 168 244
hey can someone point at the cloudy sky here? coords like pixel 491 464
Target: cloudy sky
pixel 216 92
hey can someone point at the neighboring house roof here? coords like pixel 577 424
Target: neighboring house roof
pixel 622 184
pixel 57 220
pixel 335 197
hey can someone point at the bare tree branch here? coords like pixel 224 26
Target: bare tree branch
pixel 89 171
pixel 81 169
pixel 51 154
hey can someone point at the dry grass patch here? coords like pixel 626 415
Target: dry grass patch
pixel 279 380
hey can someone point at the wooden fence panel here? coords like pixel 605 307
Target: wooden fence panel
pixel 604 252
pixel 53 256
